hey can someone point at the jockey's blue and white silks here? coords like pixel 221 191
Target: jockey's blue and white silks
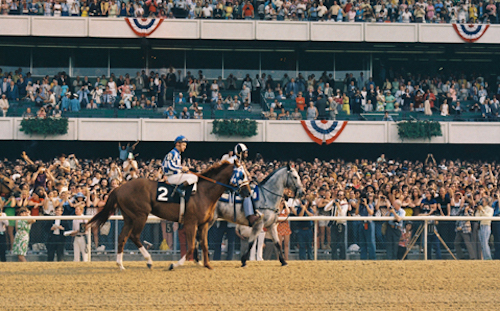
pixel 172 163
pixel 237 177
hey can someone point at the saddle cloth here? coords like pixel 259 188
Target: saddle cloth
pixel 230 197
pixel 167 193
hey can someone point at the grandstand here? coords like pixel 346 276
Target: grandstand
pixel 360 70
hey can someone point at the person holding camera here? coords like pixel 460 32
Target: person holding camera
pixel 304 228
pixel 56 240
pixel 394 229
pixel 79 232
pixel 463 227
pixel 367 229
pixel 485 210
pixel 340 207
pixel 321 201
pixel 430 207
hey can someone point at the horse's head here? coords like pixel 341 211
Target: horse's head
pixel 7 186
pixel 293 181
pixel 241 179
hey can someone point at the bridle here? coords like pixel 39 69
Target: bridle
pixel 244 183
pixel 286 185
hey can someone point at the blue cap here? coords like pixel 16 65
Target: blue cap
pixel 181 139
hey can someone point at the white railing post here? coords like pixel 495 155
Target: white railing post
pixel 89 245
pixel 425 239
pixel 116 236
pixel 315 240
pixel 346 242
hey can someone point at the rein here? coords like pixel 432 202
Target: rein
pixel 234 189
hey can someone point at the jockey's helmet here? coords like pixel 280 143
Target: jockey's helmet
pixel 181 139
pixel 239 149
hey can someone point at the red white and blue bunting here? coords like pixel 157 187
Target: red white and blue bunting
pixel 472 32
pixel 143 27
pixel 323 131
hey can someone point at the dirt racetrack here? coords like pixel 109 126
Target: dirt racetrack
pixel 322 285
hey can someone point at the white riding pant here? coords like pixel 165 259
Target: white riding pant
pixel 80 247
pixel 177 179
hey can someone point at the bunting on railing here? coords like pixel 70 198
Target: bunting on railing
pixel 470 33
pixel 143 27
pixel 323 131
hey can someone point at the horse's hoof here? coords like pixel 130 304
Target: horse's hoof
pixel 171 267
pixel 122 268
pixel 284 264
pixel 209 267
pixel 243 264
pixel 199 263
pixel 150 265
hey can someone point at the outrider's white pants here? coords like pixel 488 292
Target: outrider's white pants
pixel 79 247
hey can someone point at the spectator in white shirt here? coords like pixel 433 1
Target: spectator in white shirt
pixel 4 104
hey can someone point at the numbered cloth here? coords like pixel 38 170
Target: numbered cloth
pixel 231 197
pixel 166 193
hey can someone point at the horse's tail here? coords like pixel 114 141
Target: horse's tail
pixel 100 218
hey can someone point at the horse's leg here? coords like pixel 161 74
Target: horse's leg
pixel 203 232
pixel 122 239
pixel 136 238
pixel 277 242
pixel 196 257
pixel 190 238
pixel 256 229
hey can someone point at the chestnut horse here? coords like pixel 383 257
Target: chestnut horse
pixel 137 199
pixel 7 186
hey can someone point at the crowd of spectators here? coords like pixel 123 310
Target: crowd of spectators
pixel 431 11
pixel 286 97
pixel 336 187
pixel 441 94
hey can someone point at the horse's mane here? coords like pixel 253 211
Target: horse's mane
pixel 271 175
pixel 215 169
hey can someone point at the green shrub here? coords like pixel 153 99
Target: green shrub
pixel 244 128
pixel 419 129
pixel 45 127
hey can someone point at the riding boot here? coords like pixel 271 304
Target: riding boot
pixel 180 190
pixel 252 219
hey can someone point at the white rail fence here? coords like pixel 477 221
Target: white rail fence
pixel 425 219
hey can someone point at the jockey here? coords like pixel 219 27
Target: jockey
pixel 173 169
pixel 241 153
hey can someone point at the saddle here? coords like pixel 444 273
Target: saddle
pixel 231 197
pixel 167 193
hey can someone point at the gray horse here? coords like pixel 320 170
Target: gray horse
pixel 270 193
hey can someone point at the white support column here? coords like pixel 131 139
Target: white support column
pixel 371 65
pixel 70 66
pixel 185 65
pixel 334 67
pixel 297 69
pixel 260 65
pixel 425 239
pixel 89 245
pixel 109 62
pixel 31 61
pixel 223 65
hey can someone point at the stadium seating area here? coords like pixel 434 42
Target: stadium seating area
pixel 197 97
pixel 434 11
